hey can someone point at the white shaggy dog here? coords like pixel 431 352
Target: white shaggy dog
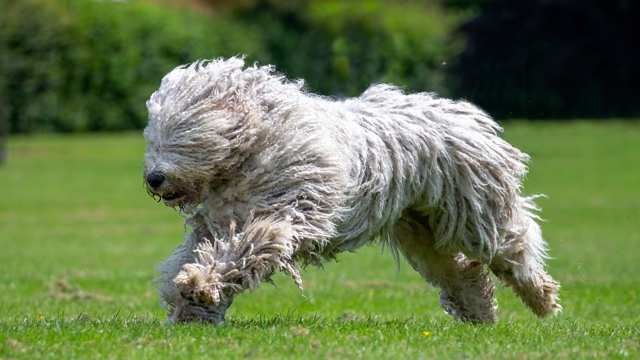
pixel 270 177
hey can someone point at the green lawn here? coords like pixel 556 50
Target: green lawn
pixel 80 239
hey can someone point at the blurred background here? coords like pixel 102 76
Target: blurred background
pixel 89 65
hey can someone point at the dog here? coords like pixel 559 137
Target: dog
pixel 270 177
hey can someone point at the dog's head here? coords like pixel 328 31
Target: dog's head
pixel 204 121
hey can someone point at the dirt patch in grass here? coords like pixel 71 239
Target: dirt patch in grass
pixel 63 289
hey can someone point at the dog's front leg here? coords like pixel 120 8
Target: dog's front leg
pixel 226 267
pixel 182 309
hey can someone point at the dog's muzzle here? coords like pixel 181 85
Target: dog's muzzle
pixel 155 179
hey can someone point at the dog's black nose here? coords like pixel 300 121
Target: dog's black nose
pixel 155 179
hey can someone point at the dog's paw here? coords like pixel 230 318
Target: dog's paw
pixel 198 286
pixel 186 312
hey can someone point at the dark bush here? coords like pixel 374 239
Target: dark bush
pixel 90 65
pixel 551 59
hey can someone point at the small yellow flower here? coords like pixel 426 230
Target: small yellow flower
pixel 426 333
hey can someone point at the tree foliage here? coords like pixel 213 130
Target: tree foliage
pixel 90 65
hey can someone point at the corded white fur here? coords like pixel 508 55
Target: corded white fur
pixel 307 177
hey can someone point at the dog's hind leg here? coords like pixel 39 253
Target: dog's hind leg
pixel 520 264
pixel 467 291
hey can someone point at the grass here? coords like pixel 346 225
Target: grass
pixel 80 239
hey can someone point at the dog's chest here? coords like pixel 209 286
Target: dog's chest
pixel 226 207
